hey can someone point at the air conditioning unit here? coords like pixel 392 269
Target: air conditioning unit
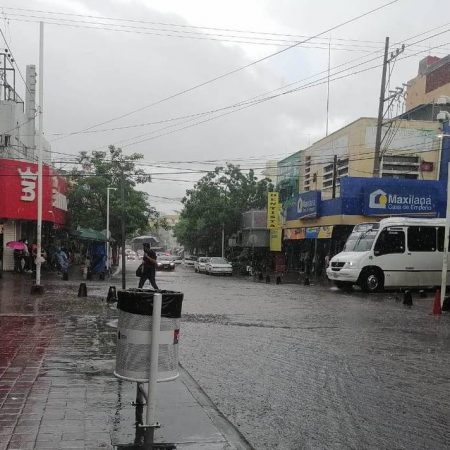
pixel 443 116
pixel 443 100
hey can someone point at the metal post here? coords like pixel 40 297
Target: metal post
pixel 108 265
pixel 335 161
pixel 41 144
pixel 122 195
pixel 153 376
pixel 223 241
pixel 107 230
pixel 446 242
pixel 328 84
pixel 376 162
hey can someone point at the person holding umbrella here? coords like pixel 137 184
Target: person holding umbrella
pixel 149 267
pixel 19 248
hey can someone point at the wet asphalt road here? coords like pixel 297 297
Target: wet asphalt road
pixel 296 367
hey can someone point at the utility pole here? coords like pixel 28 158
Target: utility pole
pixel 328 84
pixel 335 162
pixel 383 99
pixel 122 195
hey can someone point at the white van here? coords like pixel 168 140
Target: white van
pixel 395 252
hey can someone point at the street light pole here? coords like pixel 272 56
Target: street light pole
pixel 108 265
pixel 38 288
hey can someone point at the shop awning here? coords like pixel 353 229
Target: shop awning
pixel 88 234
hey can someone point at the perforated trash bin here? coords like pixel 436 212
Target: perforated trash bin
pixel 134 334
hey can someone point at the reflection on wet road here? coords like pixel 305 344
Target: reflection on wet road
pixel 290 366
pixel 312 367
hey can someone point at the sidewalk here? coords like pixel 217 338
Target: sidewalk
pixel 57 390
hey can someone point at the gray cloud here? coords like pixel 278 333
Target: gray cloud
pixel 94 75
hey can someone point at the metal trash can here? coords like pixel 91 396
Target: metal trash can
pixel 134 330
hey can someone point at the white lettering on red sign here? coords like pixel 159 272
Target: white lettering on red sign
pixel 59 199
pixel 28 183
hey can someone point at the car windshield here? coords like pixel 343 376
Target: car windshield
pixel 165 258
pixel 202 260
pixel 360 242
pixel 219 261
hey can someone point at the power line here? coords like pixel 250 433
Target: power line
pixel 212 80
pixel 255 101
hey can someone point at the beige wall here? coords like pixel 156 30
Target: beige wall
pixel 416 92
pixel 356 142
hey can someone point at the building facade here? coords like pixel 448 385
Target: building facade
pixel 18 167
pixel 431 82
pixel 337 189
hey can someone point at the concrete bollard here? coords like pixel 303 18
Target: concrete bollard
pixel 260 276
pixel 112 294
pixel 268 279
pixel 82 290
pixel 65 276
pixel 407 298
pixel 278 280
pixel 306 282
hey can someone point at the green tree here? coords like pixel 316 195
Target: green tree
pixel 87 193
pixel 217 200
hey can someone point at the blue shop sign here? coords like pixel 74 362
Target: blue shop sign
pixel 400 200
pixel 306 206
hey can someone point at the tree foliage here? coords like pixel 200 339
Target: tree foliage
pixel 217 200
pixel 88 187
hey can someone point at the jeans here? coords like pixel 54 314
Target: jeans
pixel 150 276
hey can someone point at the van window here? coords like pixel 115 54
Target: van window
pixel 390 241
pixel 421 239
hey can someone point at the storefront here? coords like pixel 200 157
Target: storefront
pixel 315 229
pixel 18 204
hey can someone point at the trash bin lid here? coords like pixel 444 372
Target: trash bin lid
pixel 140 301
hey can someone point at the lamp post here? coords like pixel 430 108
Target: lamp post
pixel 447 224
pixel 107 226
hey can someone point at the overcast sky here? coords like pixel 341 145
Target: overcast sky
pixel 98 69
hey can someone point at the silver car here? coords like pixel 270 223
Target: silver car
pixel 218 266
pixel 200 264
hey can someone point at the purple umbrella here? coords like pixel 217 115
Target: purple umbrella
pixel 16 245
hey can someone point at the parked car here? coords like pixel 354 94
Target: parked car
pixel 165 263
pixel 189 261
pixel 131 256
pixel 178 259
pixel 200 264
pixel 218 266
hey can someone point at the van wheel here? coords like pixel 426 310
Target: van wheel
pixel 372 280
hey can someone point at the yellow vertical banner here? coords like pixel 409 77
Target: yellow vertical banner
pixel 275 239
pixel 273 210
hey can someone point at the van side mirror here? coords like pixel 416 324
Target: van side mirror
pixel 377 252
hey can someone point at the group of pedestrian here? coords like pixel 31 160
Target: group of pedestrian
pixel 25 257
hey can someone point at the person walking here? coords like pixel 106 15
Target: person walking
pixel 149 267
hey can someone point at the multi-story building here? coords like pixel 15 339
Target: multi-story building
pixel 337 189
pixel 18 166
pixel 409 151
pixel 431 82
pixel 288 178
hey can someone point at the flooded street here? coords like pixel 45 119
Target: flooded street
pixel 312 367
pixel 290 366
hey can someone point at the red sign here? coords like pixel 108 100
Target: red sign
pixel 19 189
pixel 426 166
